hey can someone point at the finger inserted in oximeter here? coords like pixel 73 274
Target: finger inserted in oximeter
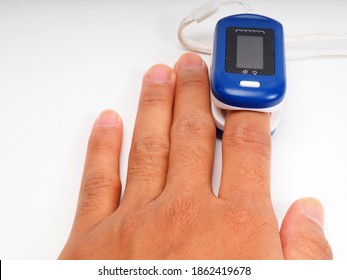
pixel 248 67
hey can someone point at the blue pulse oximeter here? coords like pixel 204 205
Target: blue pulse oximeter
pixel 248 67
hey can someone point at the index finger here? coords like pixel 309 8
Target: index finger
pixel 246 156
pixel 193 133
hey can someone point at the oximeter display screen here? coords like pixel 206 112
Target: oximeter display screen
pixel 250 51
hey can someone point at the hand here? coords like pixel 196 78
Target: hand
pixel 169 210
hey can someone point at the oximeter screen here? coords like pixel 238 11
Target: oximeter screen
pixel 250 51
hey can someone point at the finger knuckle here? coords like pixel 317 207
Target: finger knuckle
pixel 102 142
pixel 195 127
pixel 99 181
pixel 193 80
pixel 156 95
pixel 96 185
pixel 249 138
pixel 148 148
pixel 147 156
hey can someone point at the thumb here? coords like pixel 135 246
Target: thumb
pixel 302 233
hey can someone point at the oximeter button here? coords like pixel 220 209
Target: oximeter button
pixel 251 84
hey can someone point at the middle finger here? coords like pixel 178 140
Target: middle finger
pixel 193 132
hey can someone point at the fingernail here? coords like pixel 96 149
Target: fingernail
pixel 189 61
pixel 108 118
pixel 159 74
pixel 313 210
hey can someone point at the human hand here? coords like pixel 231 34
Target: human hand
pixel 169 210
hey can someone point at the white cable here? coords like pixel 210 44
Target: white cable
pixel 189 43
pixel 316 37
pixel 316 54
pixel 201 13
pixel 299 40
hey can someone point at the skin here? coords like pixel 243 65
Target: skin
pixel 169 210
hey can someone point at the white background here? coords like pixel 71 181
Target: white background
pixel 62 62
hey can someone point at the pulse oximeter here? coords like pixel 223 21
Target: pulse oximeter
pixel 248 67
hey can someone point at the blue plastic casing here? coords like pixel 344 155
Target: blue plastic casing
pixel 226 86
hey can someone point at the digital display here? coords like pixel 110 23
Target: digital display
pixel 250 52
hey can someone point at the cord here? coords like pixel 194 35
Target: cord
pixel 298 40
pixel 203 12
pixel 198 15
